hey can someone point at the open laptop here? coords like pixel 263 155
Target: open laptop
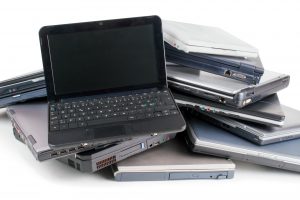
pixel 101 157
pixel 259 133
pixel 30 124
pixel 107 80
pixel 172 161
pixel 267 111
pixel 208 139
pixel 248 70
pixel 205 39
pixel 223 90
pixel 22 88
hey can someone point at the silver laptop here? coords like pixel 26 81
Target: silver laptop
pixel 30 121
pixel 224 90
pixel 259 133
pixel 172 161
pixel 205 39
pixel 208 139
pixel 99 158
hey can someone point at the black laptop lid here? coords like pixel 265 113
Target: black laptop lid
pixel 103 56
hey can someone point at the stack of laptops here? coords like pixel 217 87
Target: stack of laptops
pixel 109 103
pixel 107 100
pixel 228 116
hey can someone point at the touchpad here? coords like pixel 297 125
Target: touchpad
pixel 106 131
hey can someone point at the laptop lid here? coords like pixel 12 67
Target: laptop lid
pixel 31 118
pixel 103 56
pixel 205 39
pixel 260 132
pixel 214 140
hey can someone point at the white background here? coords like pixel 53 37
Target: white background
pixel 272 26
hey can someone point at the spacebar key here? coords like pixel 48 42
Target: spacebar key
pixel 107 120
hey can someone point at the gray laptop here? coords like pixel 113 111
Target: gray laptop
pixel 205 39
pixel 172 161
pixel 206 138
pixel 224 90
pixel 259 133
pixel 99 158
pixel 30 121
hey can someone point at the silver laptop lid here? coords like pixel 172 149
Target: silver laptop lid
pixel 173 156
pixel 32 119
pixel 214 82
pixel 205 39
pixel 290 128
pixel 203 134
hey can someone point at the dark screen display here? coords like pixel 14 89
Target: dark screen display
pixel 103 59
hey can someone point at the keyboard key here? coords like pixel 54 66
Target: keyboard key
pixel 54 122
pixel 65 116
pixel 149 115
pixel 54 128
pixel 53 113
pixel 87 118
pixel 131 117
pixel 55 117
pixel 157 114
pixel 62 121
pixel 174 112
pixel 71 120
pixel 166 112
pixel 79 119
pixel 95 117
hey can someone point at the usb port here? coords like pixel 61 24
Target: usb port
pixel 54 154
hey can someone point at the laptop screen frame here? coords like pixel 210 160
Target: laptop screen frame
pixel 96 26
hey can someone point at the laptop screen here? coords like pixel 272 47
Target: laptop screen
pixel 104 59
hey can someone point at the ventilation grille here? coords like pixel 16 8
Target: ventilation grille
pixel 106 162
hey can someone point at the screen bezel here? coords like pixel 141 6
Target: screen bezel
pixel 96 26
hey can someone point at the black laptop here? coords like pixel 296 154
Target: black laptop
pixel 106 81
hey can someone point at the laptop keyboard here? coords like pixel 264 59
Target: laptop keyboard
pixel 95 111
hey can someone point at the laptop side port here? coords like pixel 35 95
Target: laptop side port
pixel 222 100
pixel 54 154
pixel 63 151
pixel 227 73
